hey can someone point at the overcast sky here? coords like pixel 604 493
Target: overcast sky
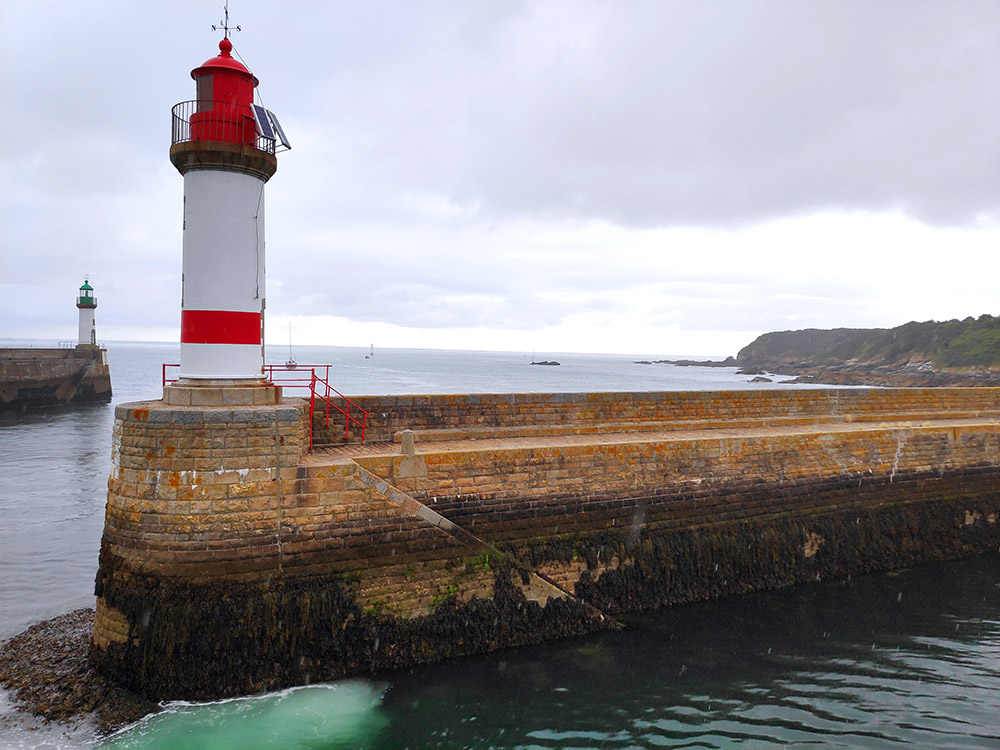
pixel 642 177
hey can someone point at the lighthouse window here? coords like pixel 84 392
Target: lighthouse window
pixel 205 93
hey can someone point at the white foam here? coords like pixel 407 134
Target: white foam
pixel 341 712
pixel 21 731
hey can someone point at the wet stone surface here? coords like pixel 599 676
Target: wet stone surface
pixel 47 669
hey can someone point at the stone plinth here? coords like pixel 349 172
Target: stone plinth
pixel 221 393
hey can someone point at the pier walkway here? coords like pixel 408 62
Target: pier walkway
pixel 479 439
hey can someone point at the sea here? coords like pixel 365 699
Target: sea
pixel 903 659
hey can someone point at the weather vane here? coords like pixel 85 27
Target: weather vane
pixel 224 24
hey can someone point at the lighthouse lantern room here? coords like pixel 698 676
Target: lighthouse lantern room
pixel 224 145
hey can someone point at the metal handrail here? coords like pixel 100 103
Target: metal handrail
pixel 204 120
pixel 305 376
pixel 329 392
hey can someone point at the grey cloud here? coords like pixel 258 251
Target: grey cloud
pixel 709 113
pixel 638 114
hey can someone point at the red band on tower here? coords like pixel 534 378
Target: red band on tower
pixel 219 327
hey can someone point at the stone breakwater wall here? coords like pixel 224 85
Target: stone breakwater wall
pixel 538 414
pixel 751 511
pixel 233 560
pixel 32 378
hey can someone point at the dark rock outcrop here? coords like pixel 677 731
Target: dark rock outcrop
pixel 952 353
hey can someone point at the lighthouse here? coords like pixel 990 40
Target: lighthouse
pixel 224 145
pixel 86 302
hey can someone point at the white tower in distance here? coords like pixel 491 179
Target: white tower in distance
pixel 86 302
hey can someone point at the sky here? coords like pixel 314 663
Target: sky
pixel 670 177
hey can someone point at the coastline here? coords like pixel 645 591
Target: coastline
pixel 885 376
pixel 852 373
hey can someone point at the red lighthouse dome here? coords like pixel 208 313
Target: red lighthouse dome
pixel 225 61
pixel 225 100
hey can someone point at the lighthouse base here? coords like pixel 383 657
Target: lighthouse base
pixel 257 392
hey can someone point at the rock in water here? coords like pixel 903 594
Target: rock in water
pixel 48 671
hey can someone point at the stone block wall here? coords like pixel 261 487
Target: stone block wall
pixel 471 482
pixel 195 491
pixel 335 523
pixel 209 494
pixel 449 415
pixel 548 505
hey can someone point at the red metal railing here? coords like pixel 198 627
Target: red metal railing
pixel 315 379
pixel 307 376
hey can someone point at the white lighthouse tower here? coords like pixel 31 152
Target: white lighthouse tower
pixel 86 302
pixel 224 145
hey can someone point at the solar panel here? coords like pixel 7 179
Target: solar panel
pixel 260 116
pixel 281 133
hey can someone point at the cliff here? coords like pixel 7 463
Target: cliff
pixel 954 352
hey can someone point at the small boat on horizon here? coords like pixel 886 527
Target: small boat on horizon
pixel 371 352
pixel 290 362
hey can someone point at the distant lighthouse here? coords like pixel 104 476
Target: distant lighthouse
pixel 224 145
pixel 86 302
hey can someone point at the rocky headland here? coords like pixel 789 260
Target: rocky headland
pixel 951 353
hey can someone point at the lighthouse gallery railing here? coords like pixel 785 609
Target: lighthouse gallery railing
pixel 201 120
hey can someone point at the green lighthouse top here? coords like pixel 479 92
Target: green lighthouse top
pixel 86 298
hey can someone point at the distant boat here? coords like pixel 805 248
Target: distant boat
pixel 290 362
pixel 371 352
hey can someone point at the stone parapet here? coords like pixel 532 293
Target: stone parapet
pixel 478 415
pixel 473 478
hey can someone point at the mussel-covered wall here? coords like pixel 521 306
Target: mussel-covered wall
pixel 210 640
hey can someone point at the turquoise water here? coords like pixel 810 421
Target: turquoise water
pixel 890 660
pixel 909 659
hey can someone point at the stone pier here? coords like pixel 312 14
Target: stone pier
pixel 235 559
